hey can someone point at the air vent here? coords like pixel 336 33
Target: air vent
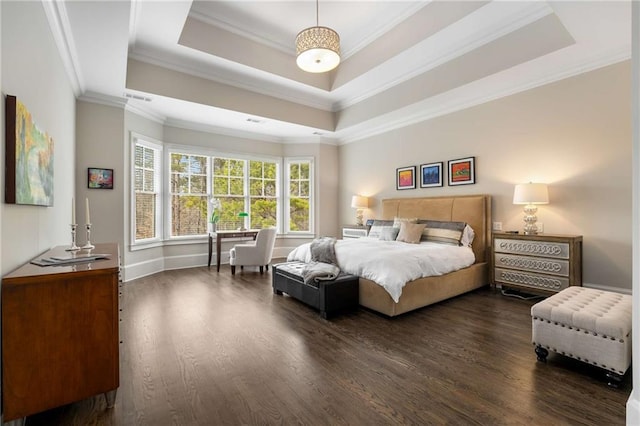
pixel 318 133
pixel 137 97
pixel 254 120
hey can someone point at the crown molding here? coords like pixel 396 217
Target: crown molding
pixel 207 128
pixel 134 16
pixel 58 19
pixel 102 99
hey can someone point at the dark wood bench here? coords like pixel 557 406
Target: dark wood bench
pixel 327 296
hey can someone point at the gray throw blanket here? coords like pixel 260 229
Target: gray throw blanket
pixel 323 265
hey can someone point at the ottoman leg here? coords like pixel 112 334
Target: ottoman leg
pixel 614 379
pixel 542 353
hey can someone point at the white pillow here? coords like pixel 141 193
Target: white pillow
pixel 467 236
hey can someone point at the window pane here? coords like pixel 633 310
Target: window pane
pixel 230 207
pixel 180 183
pixel 304 188
pixel 189 215
pixel 299 214
pixel 236 167
pixel 264 212
pixel 237 186
pixel 294 189
pixel 304 170
pixel 294 171
pixel 145 216
pixel 138 180
pixel 198 164
pixel 270 170
pixel 255 187
pixel 255 169
pixel 198 184
pixel 149 177
pixel 138 156
pixel 220 166
pixel 270 188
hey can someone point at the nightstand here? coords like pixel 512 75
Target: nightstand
pixel 543 263
pixel 354 231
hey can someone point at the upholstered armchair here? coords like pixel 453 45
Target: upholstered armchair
pixel 256 252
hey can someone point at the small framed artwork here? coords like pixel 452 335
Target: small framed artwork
pixel 430 175
pixel 406 178
pixel 99 178
pixel 462 171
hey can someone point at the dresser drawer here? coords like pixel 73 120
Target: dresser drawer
pixel 528 279
pixel 539 248
pixel 533 264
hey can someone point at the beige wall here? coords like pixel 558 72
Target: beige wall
pixel 574 135
pixel 33 72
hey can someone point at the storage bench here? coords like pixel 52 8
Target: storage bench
pixel 592 326
pixel 326 296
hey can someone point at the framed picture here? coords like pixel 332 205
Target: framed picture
pixel 99 178
pixel 430 175
pixel 406 178
pixel 462 171
pixel 29 158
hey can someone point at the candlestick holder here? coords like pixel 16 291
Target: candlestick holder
pixel 73 247
pixel 88 246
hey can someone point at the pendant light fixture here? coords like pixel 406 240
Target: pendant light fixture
pixel 317 48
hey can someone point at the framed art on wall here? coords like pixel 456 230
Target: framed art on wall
pixel 431 175
pixel 98 178
pixel 29 158
pixel 462 171
pixel 406 177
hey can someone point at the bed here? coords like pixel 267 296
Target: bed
pixel 390 271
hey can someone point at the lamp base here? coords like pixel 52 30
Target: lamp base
pixel 359 217
pixel 530 220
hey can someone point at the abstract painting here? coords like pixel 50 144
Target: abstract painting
pixel 406 178
pixel 430 175
pixel 462 171
pixel 99 178
pixel 29 158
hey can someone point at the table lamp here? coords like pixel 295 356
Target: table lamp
pixel 359 203
pixel 530 194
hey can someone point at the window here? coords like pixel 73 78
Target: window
pixel 229 188
pixel 188 194
pixel 299 201
pixel 147 180
pixel 263 194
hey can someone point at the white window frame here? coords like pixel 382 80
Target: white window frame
pixel 287 196
pixel 157 146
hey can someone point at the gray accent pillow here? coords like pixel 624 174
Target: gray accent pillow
pixel 377 226
pixel 442 232
pixel 389 233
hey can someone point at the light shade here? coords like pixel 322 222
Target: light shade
pixel 317 49
pixel 359 202
pixel 531 193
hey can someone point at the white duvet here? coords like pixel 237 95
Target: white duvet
pixel 392 263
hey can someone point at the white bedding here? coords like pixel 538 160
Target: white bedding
pixel 392 263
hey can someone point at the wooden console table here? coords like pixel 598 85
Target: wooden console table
pixel 60 337
pixel 221 235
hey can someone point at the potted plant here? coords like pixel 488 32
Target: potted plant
pixel 215 214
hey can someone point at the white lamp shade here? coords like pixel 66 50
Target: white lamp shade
pixel 531 193
pixel 359 202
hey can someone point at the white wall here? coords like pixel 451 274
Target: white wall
pixel 33 71
pixel 100 131
pixel 574 134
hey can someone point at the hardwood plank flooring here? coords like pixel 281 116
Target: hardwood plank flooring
pixel 207 348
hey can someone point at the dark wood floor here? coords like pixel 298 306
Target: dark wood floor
pixel 202 348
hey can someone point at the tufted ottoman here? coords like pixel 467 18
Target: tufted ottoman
pixel 590 325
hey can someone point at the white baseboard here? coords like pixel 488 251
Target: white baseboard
pixel 608 288
pixel 633 409
pixel 150 267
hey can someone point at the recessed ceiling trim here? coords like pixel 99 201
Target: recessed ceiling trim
pixel 253 85
pixel 102 99
pixel 134 16
pixel 289 49
pixel 451 45
pixel 225 131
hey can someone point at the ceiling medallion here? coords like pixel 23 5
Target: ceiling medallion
pixel 317 48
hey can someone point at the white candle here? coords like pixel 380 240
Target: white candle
pixel 88 216
pixel 73 211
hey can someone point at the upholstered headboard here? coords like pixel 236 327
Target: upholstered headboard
pixel 472 209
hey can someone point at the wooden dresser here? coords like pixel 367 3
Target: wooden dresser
pixel 60 333
pixel 543 263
